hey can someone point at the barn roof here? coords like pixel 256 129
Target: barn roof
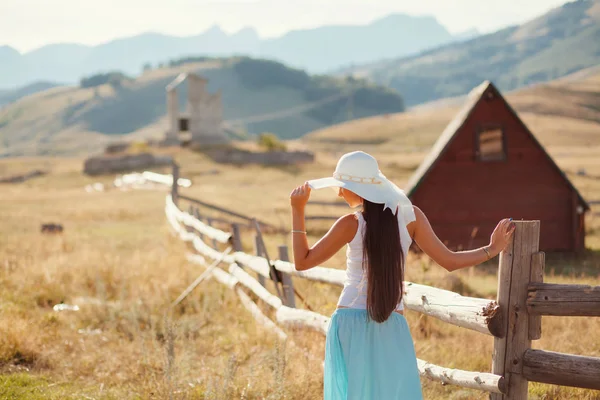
pixel 440 146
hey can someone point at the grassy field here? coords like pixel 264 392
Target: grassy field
pixel 118 261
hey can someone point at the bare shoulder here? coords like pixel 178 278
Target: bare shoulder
pixel 419 219
pixel 345 227
pixel 419 214
pixel 348 221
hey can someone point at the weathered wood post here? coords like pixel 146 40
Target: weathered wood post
pixel 174 186
pixel 513 281
pixel 197 215
pixel 259 253
pixel 187 227
pixel 236 237
pixel 537 276
pixel 274 274
pixel 288 285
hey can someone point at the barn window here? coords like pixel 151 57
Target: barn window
pixel 490 143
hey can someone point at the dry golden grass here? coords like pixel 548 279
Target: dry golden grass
pixel 122 268
pixel 118 261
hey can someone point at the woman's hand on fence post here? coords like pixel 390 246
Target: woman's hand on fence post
pixel 299 196
pixel 501 236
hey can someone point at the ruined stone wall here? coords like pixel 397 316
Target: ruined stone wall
pixel 196 106
pixel 107 164
pixel 204 111
pixel 173 116
pixel 211 131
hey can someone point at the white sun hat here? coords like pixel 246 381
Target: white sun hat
pixel 359 173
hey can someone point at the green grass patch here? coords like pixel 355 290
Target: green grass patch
pixel 25 386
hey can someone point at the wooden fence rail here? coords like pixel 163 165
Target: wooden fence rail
pixel 561 369
pixel 223 210
pixel 481 315
pixel 514 319
pixel 573 300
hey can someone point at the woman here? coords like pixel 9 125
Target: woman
pixel 369 349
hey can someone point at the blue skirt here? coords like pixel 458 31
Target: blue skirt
pixel 369 361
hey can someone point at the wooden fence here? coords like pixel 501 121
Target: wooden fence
pixel 514 319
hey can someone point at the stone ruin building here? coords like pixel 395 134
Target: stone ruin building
pixel 201 124
pixel 203 117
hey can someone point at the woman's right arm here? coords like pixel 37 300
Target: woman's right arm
pixel 341 233
pixel 428 241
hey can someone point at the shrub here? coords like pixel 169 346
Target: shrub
pixel 138 147
pixel 115 78
pixel 189 60
pixel 271 142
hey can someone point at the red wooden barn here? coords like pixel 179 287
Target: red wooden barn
pixel 487 165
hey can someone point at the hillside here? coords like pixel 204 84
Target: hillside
pixel 10 96
pixel 258 96
pixel 558 43
pixel 565 112
pixel 318 50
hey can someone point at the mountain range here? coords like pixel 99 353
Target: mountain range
pixel 564 40
pixel 316 50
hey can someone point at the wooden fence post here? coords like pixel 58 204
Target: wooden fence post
pixel 236 238
pixel 174 186
pixel 191 212
pixel 197 215
pixel 259 253
pixel 274 274
pixel 513 281
pixel 288 285
pixel 537 276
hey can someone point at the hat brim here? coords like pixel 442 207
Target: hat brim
pixel 384 193
pixel 323 183
pixel 373 193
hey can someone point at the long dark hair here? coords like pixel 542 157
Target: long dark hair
pixel 383 261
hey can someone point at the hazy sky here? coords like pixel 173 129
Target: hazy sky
pixel 29 24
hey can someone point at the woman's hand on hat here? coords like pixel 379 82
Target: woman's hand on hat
pixel 501 236
pixel 299 196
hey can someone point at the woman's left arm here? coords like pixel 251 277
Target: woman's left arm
pixel 428 241
pixel 340 234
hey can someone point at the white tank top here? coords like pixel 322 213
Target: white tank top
pixel 354 294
